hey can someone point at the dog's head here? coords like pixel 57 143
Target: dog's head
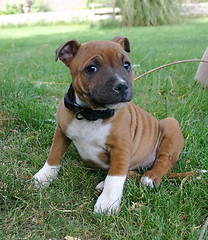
pixel 101 71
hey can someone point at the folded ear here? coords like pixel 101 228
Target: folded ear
pixel 67 50
pixel 123 41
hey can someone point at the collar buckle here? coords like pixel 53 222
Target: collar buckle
pixel 77 115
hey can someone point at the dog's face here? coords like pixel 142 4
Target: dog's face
pixel 101 71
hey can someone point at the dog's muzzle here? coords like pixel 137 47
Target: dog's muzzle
pixel 119 92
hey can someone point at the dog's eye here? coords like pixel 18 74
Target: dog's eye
pixel 127 66
pixel 91 69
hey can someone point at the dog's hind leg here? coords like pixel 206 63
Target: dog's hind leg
pixel 170 146
pixel 50 170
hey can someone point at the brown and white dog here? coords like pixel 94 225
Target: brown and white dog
pixel 108 130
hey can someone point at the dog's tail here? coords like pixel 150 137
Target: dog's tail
pixel 195 173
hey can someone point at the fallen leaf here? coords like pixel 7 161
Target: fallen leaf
pixel 195 228
pixel 182 96
pixel 136 205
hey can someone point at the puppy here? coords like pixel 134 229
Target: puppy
pixel 109 131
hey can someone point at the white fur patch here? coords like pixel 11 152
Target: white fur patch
pixel 110 199
pixel 147 182
pixel 115 106
pixel 46 175
pixel 89 137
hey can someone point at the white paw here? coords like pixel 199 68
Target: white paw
pixel 147 182
pixel 100 187
pixel 107 204
pixel 110 199
pixel 45 175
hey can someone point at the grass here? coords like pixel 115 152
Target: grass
pixel 176 210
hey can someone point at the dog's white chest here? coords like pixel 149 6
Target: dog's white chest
pixel 89 138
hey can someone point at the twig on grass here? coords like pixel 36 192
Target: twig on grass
pixel 183 181
pixel 40 81
pixel 7 119
pixel 203 230
pixel 51 83
pixel 194 173
pixel 170 64
pixel 183 174
pixel 64 210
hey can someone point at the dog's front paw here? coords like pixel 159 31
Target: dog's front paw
pixel 110 199
pixel 45 175
pixel 107 204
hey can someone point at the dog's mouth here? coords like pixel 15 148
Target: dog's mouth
pixel 110 99
pixel 115 106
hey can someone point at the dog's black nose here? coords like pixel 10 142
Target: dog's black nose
pixel 121 88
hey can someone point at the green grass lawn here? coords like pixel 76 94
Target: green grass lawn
pixel 176 210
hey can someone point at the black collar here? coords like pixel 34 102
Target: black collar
pixel 86 113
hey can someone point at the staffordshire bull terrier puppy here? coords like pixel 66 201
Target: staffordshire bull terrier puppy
pixel 109 131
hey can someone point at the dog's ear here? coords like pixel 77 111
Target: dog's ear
pixel 123 41
pixel 67 50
